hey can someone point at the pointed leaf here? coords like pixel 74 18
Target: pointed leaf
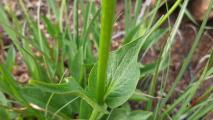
pixel 123 75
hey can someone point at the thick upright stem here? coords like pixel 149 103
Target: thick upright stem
pixel 108 10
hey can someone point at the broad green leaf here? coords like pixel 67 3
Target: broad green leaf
pixel 120 113
pixel 123 75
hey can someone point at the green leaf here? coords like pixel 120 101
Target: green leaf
pixel 9 85
pixel 4 22
pixel 3 99
pixel 125 113
pixel 52 29
pixel 39 98
pixel 85 110
pixel 92 78
pixel 90 58
pixel 140 115
pixel 77 65
pixel 120 113
pixel 72 88
pixel 210 69
pixel 4 114
pixel 128 17
pixel 123 75
pixel 130 35
pixel 11 56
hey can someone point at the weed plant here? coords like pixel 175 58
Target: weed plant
pixel 68 80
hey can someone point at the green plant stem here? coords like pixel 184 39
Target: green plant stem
pixel 95 115
pixel 108 10
pixel 107 18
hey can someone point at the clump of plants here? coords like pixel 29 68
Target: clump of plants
pixel 69 81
